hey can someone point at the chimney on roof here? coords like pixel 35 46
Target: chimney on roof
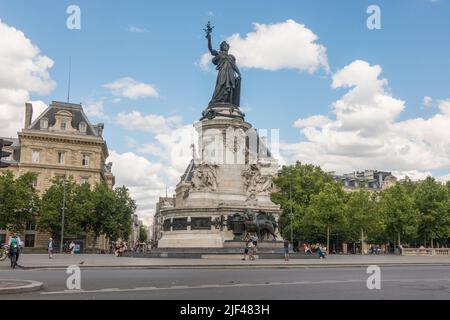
pixel 28 114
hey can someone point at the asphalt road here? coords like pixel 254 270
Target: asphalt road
pixel 424 282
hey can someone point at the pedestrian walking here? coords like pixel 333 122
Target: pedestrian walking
pixel 251 250
pixel 246 250
pixel 50 248
pixel 320 252
pixel 72 248
pixel 255 245
pixel 286 250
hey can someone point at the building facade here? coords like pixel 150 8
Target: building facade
pixel 371 180
pixel 164 203
pixel 135 231
pixel 61 142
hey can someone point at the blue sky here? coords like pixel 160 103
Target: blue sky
pixel 411 48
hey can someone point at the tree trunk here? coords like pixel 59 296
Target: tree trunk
pixel 328 239
pixel 431 242
pixel 362 241
pixel 399 242
pixel 94 243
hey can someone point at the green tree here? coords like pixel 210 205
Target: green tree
pixel 142 234
pixel 327 209
pixel 125 207
pixel 103 218
pixel 399 213
pixel 362 216
pixel 295 186
pixel 19 201
pixel 113 212
pixel 76 208
pixel 430 198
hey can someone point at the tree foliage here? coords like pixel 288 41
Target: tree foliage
pixel 98 210
pixel 19 201
pixel 409 212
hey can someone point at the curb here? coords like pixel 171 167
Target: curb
pixel 31 286
pixel 239 266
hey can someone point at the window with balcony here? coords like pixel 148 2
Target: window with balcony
pixel 35 156
pixel 61 157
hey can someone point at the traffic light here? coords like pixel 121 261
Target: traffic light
pixel 3 154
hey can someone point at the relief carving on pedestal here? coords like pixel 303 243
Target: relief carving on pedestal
pixel 255 183
pixel 204 178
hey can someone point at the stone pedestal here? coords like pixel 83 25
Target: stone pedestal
pixel 231 172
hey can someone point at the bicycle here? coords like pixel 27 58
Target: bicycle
pixel 13 257
pixel 4 253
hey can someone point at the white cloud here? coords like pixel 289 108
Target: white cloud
pixel 177 152
pixel 23 70
pixel 129 88
pixel 149 123
pixel 171 150
pixel 427 101
pixel 314 121
pixel 414 175
pixel 366 134
pixel 444 106
pixel 444 178
pixel 205 62
pixel 134 29
pixel 143 181
pixel 94 108
pixel 285 45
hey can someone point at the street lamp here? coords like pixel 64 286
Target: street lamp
pixel 63 215
pixel 291 215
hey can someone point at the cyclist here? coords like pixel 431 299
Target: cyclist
pixel 14 246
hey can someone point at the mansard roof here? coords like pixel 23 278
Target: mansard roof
pixel 78 116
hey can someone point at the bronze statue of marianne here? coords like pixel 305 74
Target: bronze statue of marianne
pixel 228 85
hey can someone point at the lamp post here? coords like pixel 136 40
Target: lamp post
pixel 291 215
pixel 63 216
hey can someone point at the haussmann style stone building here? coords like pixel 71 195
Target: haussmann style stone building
pixel 61 142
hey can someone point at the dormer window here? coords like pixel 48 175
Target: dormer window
pixel 44 124
pixel 63 125
pixel 83 127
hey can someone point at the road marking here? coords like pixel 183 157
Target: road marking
pixel 211 286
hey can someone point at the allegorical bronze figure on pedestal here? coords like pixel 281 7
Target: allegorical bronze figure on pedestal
pixel 228 85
